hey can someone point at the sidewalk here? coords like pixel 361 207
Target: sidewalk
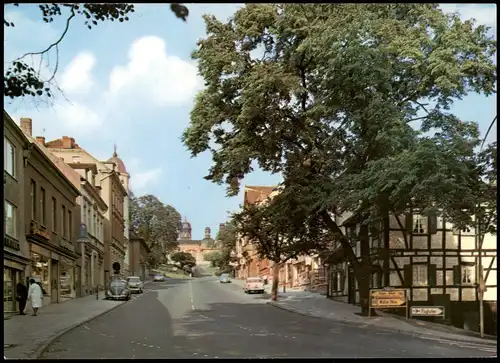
pixel 26 336
pixel 316 305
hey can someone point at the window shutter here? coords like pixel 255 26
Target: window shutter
pixel 409 223
pixel 408 276
pixel 432 275
pixel 457 278
pixel 432 222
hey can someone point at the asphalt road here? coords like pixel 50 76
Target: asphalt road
pixel 201 318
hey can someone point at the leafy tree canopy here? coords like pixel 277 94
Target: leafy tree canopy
pixel 351 104
pixel 157 223
pixel 184 259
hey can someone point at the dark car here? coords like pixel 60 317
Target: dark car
pixel 224 279
pixel 118 290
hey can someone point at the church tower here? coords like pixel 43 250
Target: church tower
pixel 186 230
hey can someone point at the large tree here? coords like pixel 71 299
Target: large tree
pixel 157 223
pixel 22 79
pixel 350 103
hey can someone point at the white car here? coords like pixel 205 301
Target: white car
pixel 159 278
pixel 135 284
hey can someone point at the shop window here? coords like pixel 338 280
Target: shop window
pixel 40 271
pixel 66 279
pixel 419 224
pixel 9 157
pixel 420 275
pixel 10 222
pixel 70 225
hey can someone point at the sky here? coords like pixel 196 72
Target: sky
pixel 133 84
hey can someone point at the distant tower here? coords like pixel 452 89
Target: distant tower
pixel 207 233
pixel 186 230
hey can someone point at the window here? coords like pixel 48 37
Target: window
pixel 420 275
pixel 84 212
pixel 10 222
pixel 42 206
pixel 33 200
pixel 468 274
pixel 70 224
pixel 54 214
pixel 419 224
pixel 87 222
pixel 64 226
pixel 9 157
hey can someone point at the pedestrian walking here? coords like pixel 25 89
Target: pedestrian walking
pixel 35 295
pixel 21 297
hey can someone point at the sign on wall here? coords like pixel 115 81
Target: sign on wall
pixel 388 298
pixel 432 311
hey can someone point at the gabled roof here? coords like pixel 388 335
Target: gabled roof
pixel 257 194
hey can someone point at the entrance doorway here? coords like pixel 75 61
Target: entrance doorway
pixel 351 287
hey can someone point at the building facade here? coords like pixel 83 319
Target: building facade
pixel 112 191
pixel 138 254
pixel 436 262
pixel 51 223
pixel 16 251
pixel 197 248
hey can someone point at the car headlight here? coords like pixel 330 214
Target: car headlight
pixel 109 292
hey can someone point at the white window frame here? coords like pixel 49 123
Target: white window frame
pixel 420 224
pixel 467 279
pixel 7 204
pixel 7 144
pixel 419 270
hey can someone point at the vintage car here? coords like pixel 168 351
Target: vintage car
pixel 135 284
pixel 118 290
pixel 224 279
pixel 159 278
pixel 253 284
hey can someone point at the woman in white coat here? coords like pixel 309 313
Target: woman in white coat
pixel 35 295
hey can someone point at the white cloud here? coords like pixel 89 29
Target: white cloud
pixel 78 118
pixel 164 79
pixel 484 14
pixel 77 77
pixel 142 179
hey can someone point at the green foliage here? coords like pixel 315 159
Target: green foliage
pixel 332 103
pixel 21 80
pixel 214 257
pixel 157 223
pixel 184 259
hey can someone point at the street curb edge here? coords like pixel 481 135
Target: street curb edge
pixel 457 339
pixel 38 353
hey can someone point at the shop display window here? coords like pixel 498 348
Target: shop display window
pixel 40 271
pixel 66 280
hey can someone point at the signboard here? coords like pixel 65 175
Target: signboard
pixel 388 298
pixel 436 311
pixel 83 236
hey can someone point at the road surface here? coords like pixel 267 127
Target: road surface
pixel 201 318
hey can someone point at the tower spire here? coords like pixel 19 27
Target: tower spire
pixel 114 150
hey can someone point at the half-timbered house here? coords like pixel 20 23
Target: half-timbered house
pixel 437 263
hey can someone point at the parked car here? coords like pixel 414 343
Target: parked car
pixel 159 278
pixel 118 290
pixel 253 284
pixel 224 279
pixel 135 284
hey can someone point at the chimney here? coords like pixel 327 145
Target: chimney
pixel 68 142
pixel 41 140
pixel 207 232
pixel 27 125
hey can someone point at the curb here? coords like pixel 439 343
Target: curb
pixel 38 353
pixel 458 339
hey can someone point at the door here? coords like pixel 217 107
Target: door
pixel 351 287
pixel 54 281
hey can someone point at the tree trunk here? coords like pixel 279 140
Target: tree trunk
pixel 364 292
pixel 276 276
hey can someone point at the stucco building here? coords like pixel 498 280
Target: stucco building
pixel 51 220
pixel 111 179
pixel 138 253
pixel 197 248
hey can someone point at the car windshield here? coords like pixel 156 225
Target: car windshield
pixel 254 279
pixel 117 283
pixel 224 276
pixel 134 279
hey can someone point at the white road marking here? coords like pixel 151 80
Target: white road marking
pixel 86 327
pixel 191 296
